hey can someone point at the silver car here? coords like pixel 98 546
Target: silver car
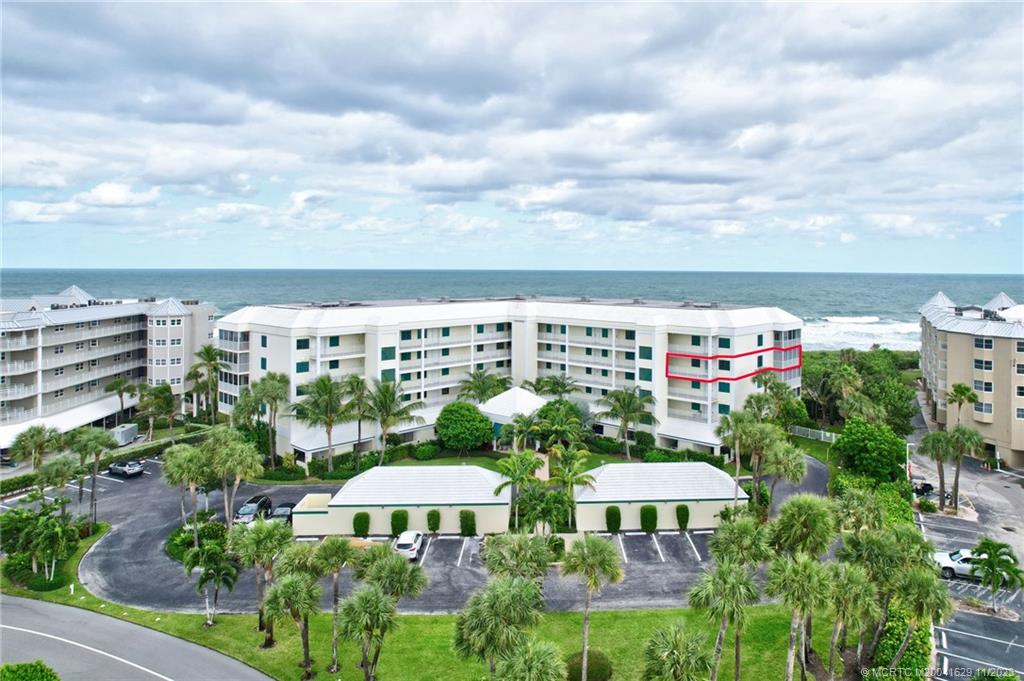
pixel 409 544
pixel 955 564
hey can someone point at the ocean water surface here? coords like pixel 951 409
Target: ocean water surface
pixel 840 310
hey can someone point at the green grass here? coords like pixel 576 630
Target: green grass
pixel 421 645
pixel 819 450
pixel 910 377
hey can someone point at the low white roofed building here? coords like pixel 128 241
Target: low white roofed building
pixel 706 490
pixel 501 408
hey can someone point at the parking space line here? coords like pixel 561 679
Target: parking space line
pixel 944 645
pixel 959 632
pixel 107 477
pixel 945 665
pixel 9 508
pixel 661 555
pixel 423 558
pixel 634 534
pixel 951 527
pixel 694 547
pixel 703 531
pixel 990 665
pixel 461 551
pixel 622 547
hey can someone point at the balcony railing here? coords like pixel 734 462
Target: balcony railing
pixel 75 377
pixel 688 415
pixel 17 342
pixel 51 361
pixel 342 351
pixel 51 337
pixel 492 354
pixel 22 366
pixel 448 360
pixel 591 340
pixel 14 391
pixel 16 415
pixel 65 403
pixel 588 360
pixel 492 337
pixel 232 346
pixel 237 367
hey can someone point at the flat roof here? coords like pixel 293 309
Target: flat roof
pixel 651 482
pixel 455 485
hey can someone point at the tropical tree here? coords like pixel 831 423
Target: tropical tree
pixel 57 473
pixel 524 556
pixel 532 660
pixel 397 577
pixel 760 437
pixel 802 583
pixel 560 425
pixel 845 381
pixel 366 617
pixel 854 602
pixel 173 470
pixel 860 406
pixel 165 406
pixel 93 442
pixel 676 653
pixel 725 592
pixel 995 565
pixel 858 510
pixel 121 386
pixel 148 408
pixel 81 441
pixel 357 408
pixel 322 406
pixel 296 596
pixel 246 409
pixel 209 358
pixel 965 442
pixel 961 394
pixel 628 407
pixel 196 381
pixel 480 385
pixel 33 442
pixel 734 431
pixel 519 431
pixel 743 541
pixel 938 446
pixel 783 461
pixel 560 385
pixel 215 569
pixel 189 467
pixel 519 469
pixel 596 562
pixel 495 619
pixel 925 598
pixel 272 390
pixel 389 410
pixel 542 505
pixel 232 460
pixel 806 524
pixel 571 472
pixel 334 552
pixel 269 541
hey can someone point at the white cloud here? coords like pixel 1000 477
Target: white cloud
pixel 720 229
pixel 116 194
pixel 847 238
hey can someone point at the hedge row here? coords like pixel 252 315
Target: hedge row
pixel 916 660
pixel 467 523
pixel 895 496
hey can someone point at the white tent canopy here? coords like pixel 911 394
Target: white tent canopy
pixel 501 408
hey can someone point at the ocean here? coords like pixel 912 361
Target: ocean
pixel 839 310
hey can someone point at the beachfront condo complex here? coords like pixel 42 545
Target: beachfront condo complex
pixel 698 360
pixel 981 346
pixel 59 352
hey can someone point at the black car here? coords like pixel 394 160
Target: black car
pixel 923 489
pixel 283 512
pixel 126 469
pixel 256 507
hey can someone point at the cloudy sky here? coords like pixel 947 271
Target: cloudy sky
pixel 702 137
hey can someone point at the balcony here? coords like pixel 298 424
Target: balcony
pixel 492 354
pixel 590 360
pixel 15 391
pixel 342 351
pixel 449 360
pixel 237 367
pixel 75 377
pixel 687 393
pixel 16 415
pixel 16 367
pixel 688 415
pixel 51 337
pixel 52 361
pixel 591 340
pixel 232 346
pixel 440 382
pixel 593 380
pixel 551 337
pixel 492 337
pixel 17 342
pixel 65 403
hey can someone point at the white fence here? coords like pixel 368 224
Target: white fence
pixel 812 434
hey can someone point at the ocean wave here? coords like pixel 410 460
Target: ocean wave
pixel 834 333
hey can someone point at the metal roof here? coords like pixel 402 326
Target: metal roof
pixel 640 482
pixel 1000 301
pixel 456 485
pixel 501 408
pixel 941 312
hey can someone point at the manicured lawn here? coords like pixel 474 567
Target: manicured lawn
pixel 911 376
pixel 819 450
pixel 421 645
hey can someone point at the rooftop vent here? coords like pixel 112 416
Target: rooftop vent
pixel 329 305
pixel 185 302
pixel 146 300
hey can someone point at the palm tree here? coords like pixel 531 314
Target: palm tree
pixel 495 619
pixel 802 583
pixel 269 540
pixel 93 442
pixel 938 447
pixel 760 438
pixel 519 431
pixel 57 473
pixel 188 466
pixel 196 380
pixel 596 562
pixel 173 470
pixel 733 429
pixel 296 596
pixel 845 381
pixel 245 410
pixel 925 598
pixel 806 524
pixel 961 394
pixel 518 469
pixel 532 660
pixel 559 385
pixel 250 543
pixel 33 442
pixel 561 426
pixel 965 442
pixel 272 391
pixel 480 385
pixel 676 653
pixel 214 568
pixel 397 577
pixel 629 408
pixel 725 592
pixel 858 510
pixel 744 541
pixel 80 442
pixel 366 617
pixel 122 386
pixel 389 410
pixel 860 406
pixel 209 358
pixel 517 556
pixel 783 461
pixel 357 408
pixel 165 404
pixel 995 565
pixel 334 552
pixel 148 407
pixel 854 602
pixel 232 460
pixel 322 406
pixel 571 472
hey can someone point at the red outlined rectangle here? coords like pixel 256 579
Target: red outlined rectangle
pixel 763 370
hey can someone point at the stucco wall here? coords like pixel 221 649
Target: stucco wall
pixel 489 519
pixel 703 514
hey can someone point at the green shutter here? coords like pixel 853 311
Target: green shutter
pixel 263 363
pixel 760 339
pixel 645 374
pixel 724 343
pixel 630 376
pixel 724 387
pixel 387 353
pixel 695 385
pixel 562 329
pixel 302 367
pixel 445 371
pixel 387 376
pixel 694 406
pixel 723 409
pixel 334 364
pixel 631 355
pixel 302 344
pixel 590 331
pixel 406 335
pixel 694 340
pixel 445 352
pixel 645 352
pixel 724 365
pixel 479 328
pixel 334 341
pixel 445 331
pixel 406 376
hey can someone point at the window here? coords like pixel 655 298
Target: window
pixel 561 348
pixel 630 376
pixel 604 333
pixel 561 367
pixel 387 353
pixel 604 372
pixel 94 323
pixel 176 322
pixel 405 377
pixel 983 407
pixel 500 364
pixel 59 371
pixel 1020 412
pixel 58 349
pixel 760 361
pixel 479 365
pixel 334 364
pixel 1020 391
pixel 986 365
pixel 499 327
pixel 694 340
pixel 58 329
pixel 645 352
pixel 983 386
pixel 724 365
pixel 724 387
pixel 547 365
pixel 694 406
pixel 445 391
pixel 387 375
pixel 175 341
pixel 547 347
pixel 479 328
pixel 547 328
pixel 983 343
pixel 445 371
pixel 94 362
pixel 561 329
pixel 161 342
pixel 1020 346
pixel 631 355
pixel 79 366
pixel 445 352
pixel 79 346
pixel 405 356
pixel 302 367
pixel 302 344
pixel 588 351
pixel 176 361
pixel 604 353
pixel 590 331
pixel 694 363
pixel 630 335
pixel 588 390
pixel 334 341
pixel 161 322
pixel 58 393
pixel 589 371
pixel 81 325
pixel 695 385
pixel 645 374
pixel 760 339
pixel 724 343
pixel 445 331
pixel 406 335
pixel 263 363
pixel 1020 368
pixel 723 409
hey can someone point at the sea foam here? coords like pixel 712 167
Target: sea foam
pixel 834 333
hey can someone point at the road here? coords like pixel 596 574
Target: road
pixel 815 482
pixel 81 645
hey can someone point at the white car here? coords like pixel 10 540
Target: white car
pixel 409 544
pixel 955 564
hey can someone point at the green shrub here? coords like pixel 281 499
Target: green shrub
pixel 683 516
pixel 871 450
pixel 462 427
pixel 656 456
pixel 426 451
pixel 18 569
pixel 643 439
pixel 467 523
pixel 27 671
pixel 916 660
pixel 433 520
pixel 648 518
pixel 556 545
pixel 599 666
pixel 17 483
pixel 399 521
pixel 605 445
pixel 613 518
pixel 893 495
pixel 361 524
pixel 927 506
pixel 393 440
pixel 286 473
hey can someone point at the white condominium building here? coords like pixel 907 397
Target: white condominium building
pixel 981 346
pixel 697 360
pixel 58 353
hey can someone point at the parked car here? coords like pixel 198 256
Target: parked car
pixel 126 469
pixel 256 507
pixel 409 544
pixel 5 460
pixel 283 513
pixel 955 564
pixel 923 489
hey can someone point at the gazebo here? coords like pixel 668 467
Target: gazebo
pixel 501 408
